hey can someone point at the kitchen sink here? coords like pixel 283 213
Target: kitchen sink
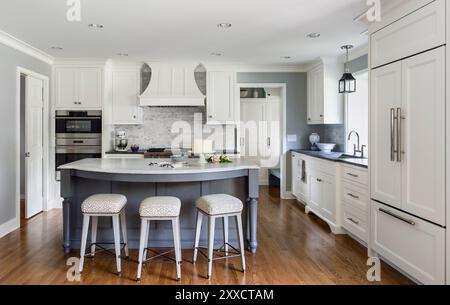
pixel 345 156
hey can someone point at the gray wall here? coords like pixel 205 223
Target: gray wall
pixel 9 60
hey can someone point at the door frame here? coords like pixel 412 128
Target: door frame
pixel 284 151
pixel 45 129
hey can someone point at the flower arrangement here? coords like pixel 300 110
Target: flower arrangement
pixel 216 159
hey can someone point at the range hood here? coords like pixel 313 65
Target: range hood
pixel 172 85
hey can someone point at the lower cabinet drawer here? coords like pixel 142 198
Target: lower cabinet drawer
pixel 414 245
pixel 355 222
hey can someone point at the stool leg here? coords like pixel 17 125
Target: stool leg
pixel 211 230
pixel 176 242
pixel 123 221
pixel 225 234
pixel 146 239
pixel 198 229
pixel 94 234
pixel 116 229
pixel 144 226
pixel 83 241
pixel 241 240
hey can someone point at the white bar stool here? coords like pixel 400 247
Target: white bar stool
pixel 104 205
pixel 219 206
pixel 159 208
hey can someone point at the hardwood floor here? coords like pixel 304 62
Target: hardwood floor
pixel 293 249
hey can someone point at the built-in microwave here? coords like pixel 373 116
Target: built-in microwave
pixel 78 122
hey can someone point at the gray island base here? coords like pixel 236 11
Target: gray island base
pixel 135 179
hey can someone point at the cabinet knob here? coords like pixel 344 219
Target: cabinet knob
pixel 321 115
pixel 319 180
pixel 210 116
pixel 134 116
pixel 309 119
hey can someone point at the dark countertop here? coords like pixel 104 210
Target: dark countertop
pixel 334 156
pixel 113 152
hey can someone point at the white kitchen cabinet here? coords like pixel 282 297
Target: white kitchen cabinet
pixel 355 201
pixel 78 88
pixel 414 245
pixel 325 104
pixel 386 93
pixel 422 139
pixel 125 97
pixel 300 187
pixel 323 191
pixel 221 98
pixel 421 30
pixel 408 135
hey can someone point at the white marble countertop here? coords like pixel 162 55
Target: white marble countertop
pixel 142 166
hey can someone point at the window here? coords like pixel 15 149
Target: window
pixel 357 112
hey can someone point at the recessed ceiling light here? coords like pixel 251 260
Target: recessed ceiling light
pixel 122 54
pixel 95 26
pixel 224 25
pixel 313 35
pixel 285 57
pixel 216 54
pixel 56 48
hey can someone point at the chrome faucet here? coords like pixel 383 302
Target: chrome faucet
pixel 356 148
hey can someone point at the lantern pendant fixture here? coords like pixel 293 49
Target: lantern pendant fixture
pixel 347 84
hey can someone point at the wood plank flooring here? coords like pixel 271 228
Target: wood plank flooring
pixel 294 248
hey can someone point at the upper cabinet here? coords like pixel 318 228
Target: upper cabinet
pixel 124 97
pixel 221 98
pixel 78 88
pixel 325 104
pixel 421 30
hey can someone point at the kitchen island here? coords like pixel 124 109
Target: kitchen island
pixel 138 179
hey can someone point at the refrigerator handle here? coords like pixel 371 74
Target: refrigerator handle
pixel 399 135
pixel 392 123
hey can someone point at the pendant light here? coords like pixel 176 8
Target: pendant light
pixel 347 84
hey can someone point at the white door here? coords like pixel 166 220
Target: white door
pixel 66 88
pixel 252 143
pixel 125 92
pixel 89 88
pixel 34 146
pixel 315 191
pixel 385 98
pixel 423 145
pixel 273 119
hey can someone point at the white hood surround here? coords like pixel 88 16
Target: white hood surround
pixel 172 84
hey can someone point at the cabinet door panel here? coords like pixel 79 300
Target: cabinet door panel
pixel 90 87
pixel 327 204
pixel 315 191
pixel 125 92
pixel 414 245
pixel 220 101
pixel 252 113
pixel 423 105
pixel 385 95
pixel 66 88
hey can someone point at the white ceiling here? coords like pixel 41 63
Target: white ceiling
pixel 262 30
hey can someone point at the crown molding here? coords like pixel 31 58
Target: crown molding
pixel 25 48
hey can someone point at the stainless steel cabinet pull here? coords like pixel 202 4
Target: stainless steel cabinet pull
pixel 352 175
pixel 392 122
pixel 354 221
pixel 268 141
pixel 354 196
pixel 408 221
pixel 399 135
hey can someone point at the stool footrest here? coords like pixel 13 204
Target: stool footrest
pixel 103 249
pixel 235 253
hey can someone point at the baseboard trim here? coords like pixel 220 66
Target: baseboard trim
pixel 55 204
pixel 9 226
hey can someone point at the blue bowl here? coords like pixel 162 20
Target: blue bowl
pixel 135 149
